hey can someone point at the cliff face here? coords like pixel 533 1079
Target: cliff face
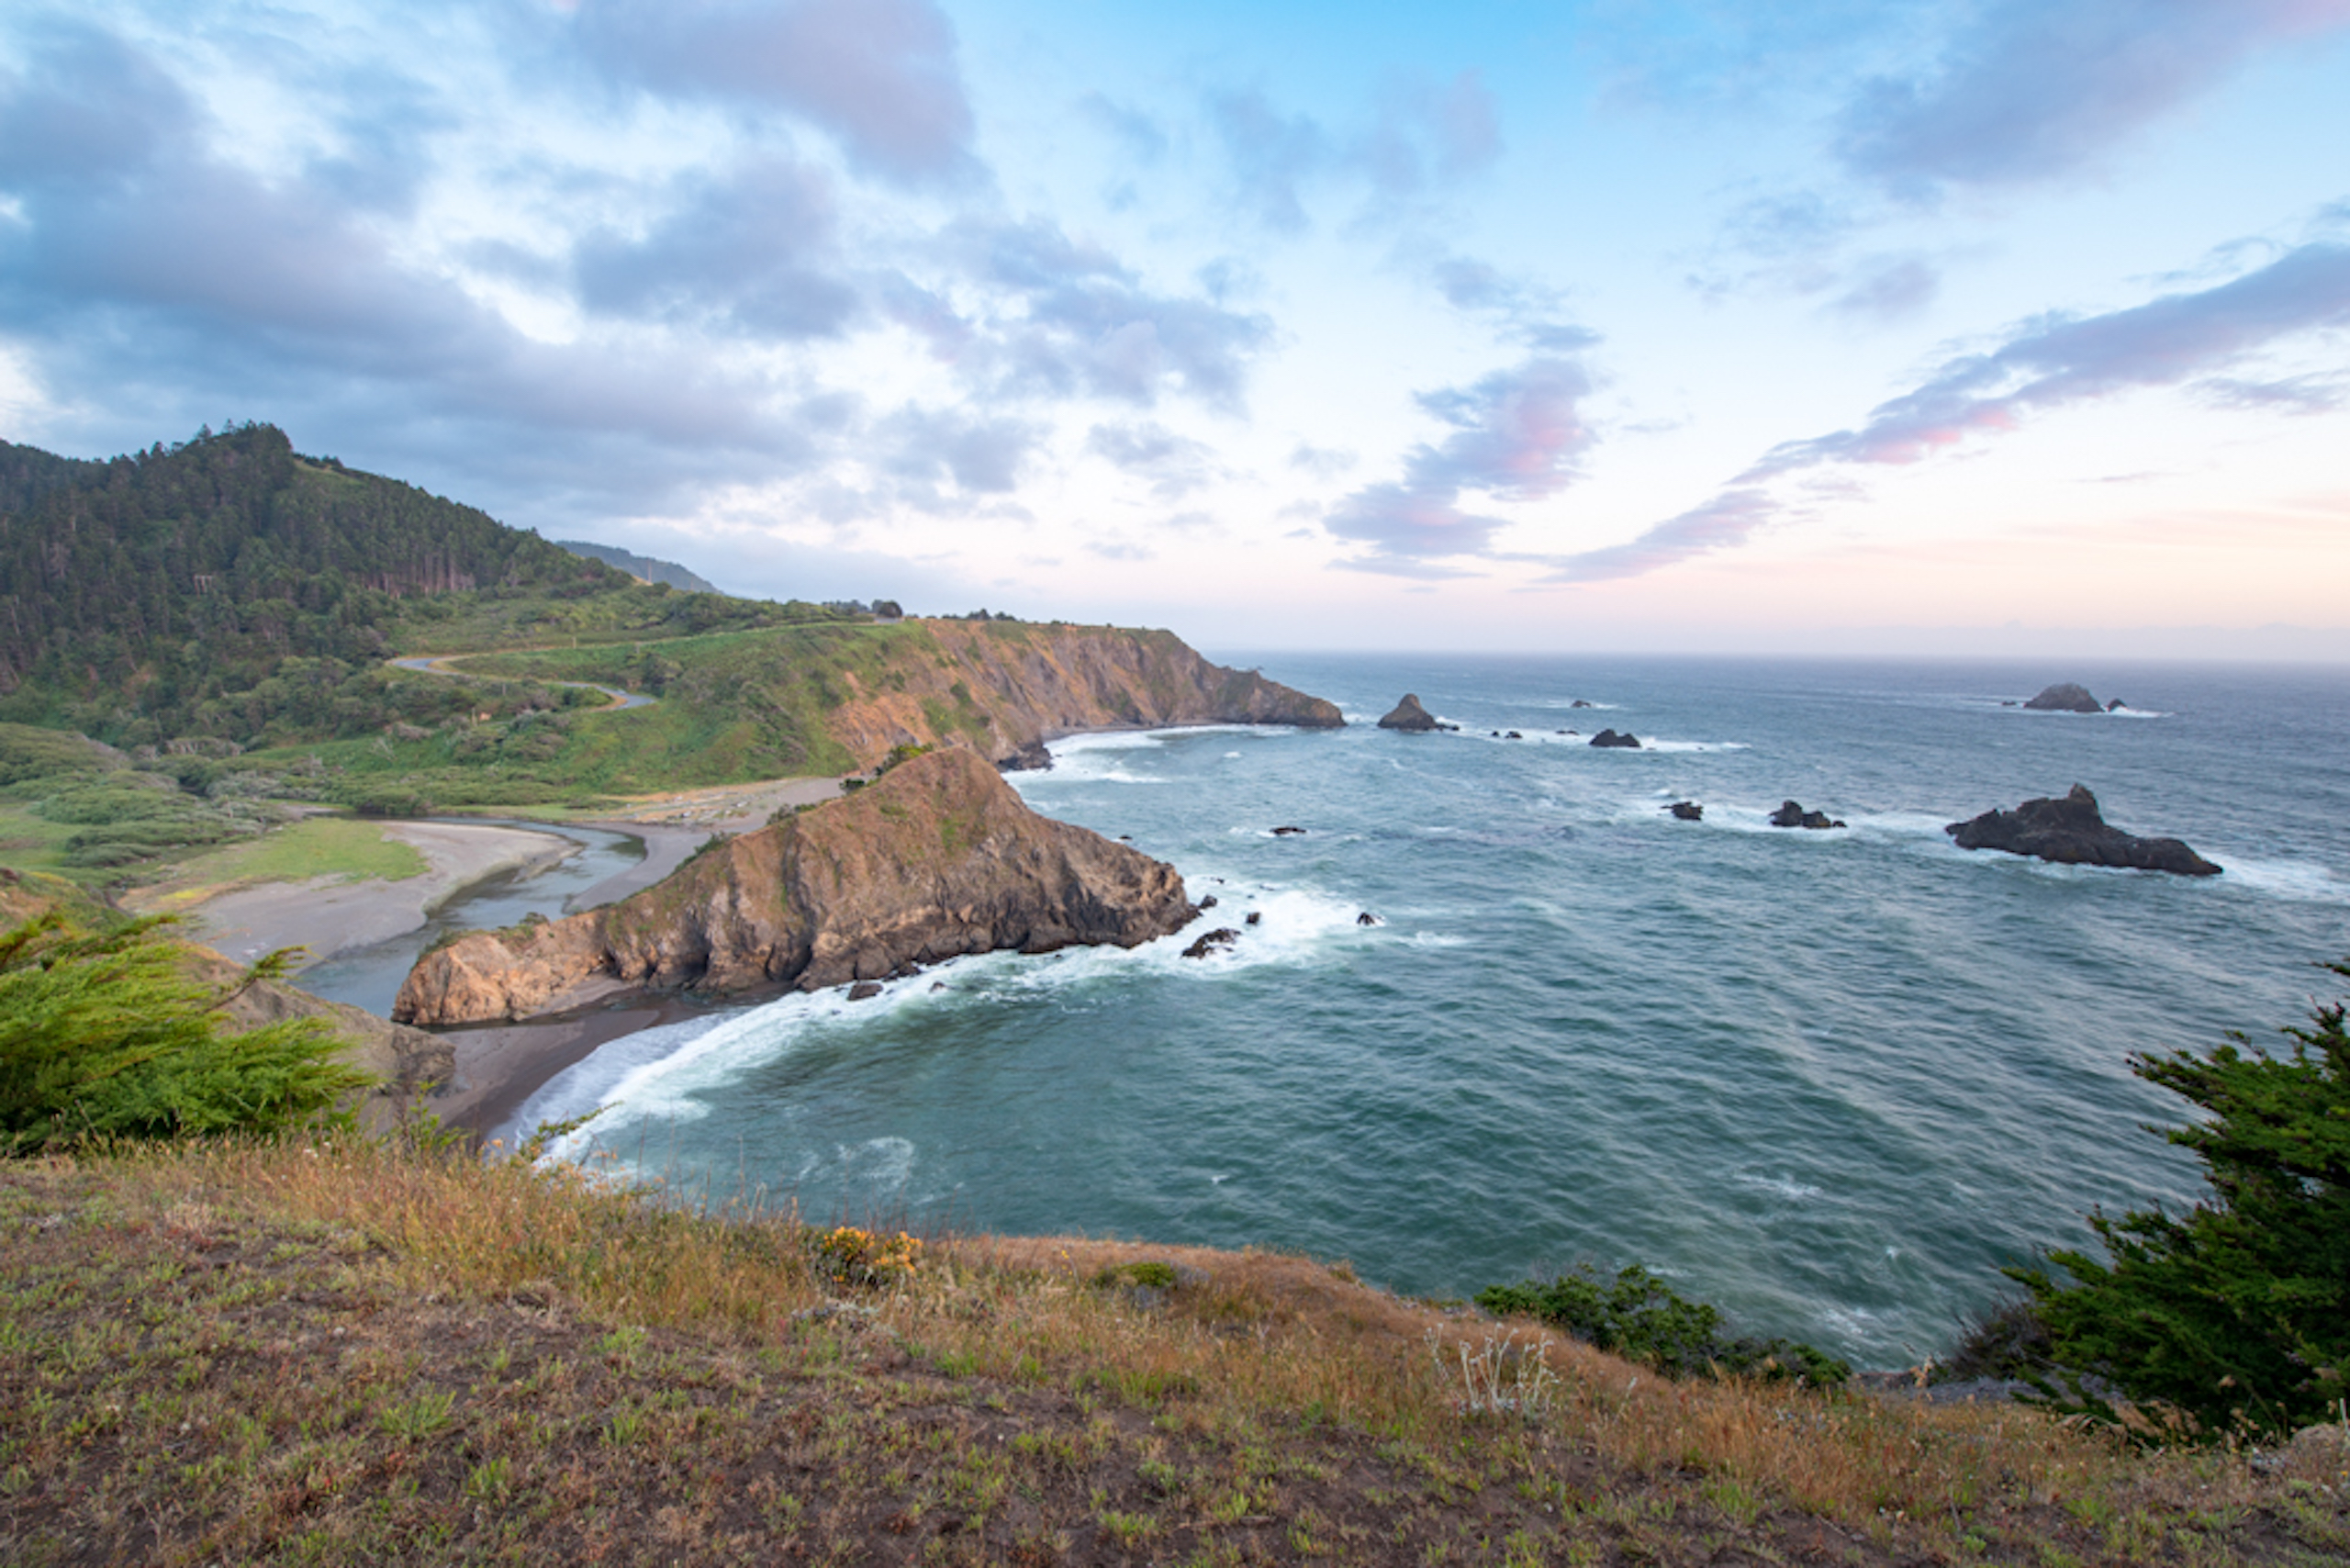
pixel 937 859
pixel 1006 688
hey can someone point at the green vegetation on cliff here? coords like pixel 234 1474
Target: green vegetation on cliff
pixel 107 1035
pixel 229 587
pixel 328 1350
pixel 2235 1314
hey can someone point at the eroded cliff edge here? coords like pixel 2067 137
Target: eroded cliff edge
pixel 1005 688
pixel 938 859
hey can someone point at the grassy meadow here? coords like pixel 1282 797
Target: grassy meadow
pixel 333 1351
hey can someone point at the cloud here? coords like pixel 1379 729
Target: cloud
pixel 2178 340
pixel 1420 136
pixel 2315 394
pixel 1075 322
pixel 1272 155
pixel 2035 89
pixel 1322 462
pixel 1889 288
pixel 1424 135
pixel 754 250
pixel 1135 132
pixel 879 75
pixel 1516 437
pixel 982 454
pixel 191 288
pixel 1174 465
pixel 1727 520
pixel 2165 342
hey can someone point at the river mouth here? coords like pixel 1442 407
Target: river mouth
pixel 370 977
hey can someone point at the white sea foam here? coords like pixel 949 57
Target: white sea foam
pixel 2304 882
pixel 657 1075
pixel 1738 817
pixel 1786 1187
pixel 662 1075
pixel 1113 756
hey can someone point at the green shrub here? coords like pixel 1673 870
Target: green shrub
pixel 27 753
pixel 387 801
pixel 1148 1275
pixel 2237 1312
pixel 1637 1317
pixel 108 1037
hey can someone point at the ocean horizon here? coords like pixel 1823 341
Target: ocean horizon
pixel 1830 1081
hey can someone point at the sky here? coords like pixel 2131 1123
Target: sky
pixel 1821 326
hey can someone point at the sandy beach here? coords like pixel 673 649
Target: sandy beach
pixel 329 915
pixel 498 1068
pixel 501 1065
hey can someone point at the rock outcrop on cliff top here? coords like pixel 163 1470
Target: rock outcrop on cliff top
pixel 937 858
pixel 1006 689
pixel 2072 832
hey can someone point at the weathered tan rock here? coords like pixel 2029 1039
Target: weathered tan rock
pixel 938 859
pixel 1005 688
pixel 405 1062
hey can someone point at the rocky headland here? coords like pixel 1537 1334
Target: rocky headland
pixel 937 858
pixel 1006 689
pixel 2072 832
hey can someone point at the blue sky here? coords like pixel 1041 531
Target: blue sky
pixel 1845 327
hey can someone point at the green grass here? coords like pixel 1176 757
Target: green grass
pixel 29 842
pixel 333 1351
pixel 314 846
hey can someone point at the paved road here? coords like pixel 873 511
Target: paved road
pixel 436 664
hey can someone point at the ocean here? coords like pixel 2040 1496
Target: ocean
pixel 1830 1081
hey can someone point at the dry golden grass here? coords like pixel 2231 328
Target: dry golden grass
pixel 1206 1406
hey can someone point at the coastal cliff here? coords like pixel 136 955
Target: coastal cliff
pixel 1007 688
pixel 938 859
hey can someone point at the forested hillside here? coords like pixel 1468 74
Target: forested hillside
pixel 231 589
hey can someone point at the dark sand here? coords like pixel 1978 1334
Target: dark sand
pixel 500 1066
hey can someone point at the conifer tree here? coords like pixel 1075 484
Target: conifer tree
pixel 2236 1313
pixel 107 1035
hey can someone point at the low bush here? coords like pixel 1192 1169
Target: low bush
pixel 1637 1317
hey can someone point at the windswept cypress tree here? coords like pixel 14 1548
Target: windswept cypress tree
pixel 106 1036
pixel 2236 1313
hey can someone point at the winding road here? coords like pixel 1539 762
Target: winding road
pixel 438 664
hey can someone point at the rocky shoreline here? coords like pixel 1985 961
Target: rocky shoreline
pixel 936 859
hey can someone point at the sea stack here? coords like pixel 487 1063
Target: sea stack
pixel 936 859
pixel 1610 738
pixel 2065 696
pixel 2072 832
pixel 1409 717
